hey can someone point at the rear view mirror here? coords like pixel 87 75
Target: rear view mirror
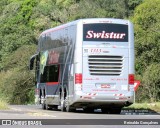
pixel 31 63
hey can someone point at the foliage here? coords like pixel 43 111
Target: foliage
pixel 147 46
pixel 14 33
pixel 154 106
pixel 16 83
pixel 3 105
pixel 132 4
pixel 151 82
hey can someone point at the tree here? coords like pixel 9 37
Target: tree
pixel 147 34
pixel 16 81
pixel 151 82
pixel 147 45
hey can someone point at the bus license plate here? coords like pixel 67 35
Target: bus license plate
pixel 106 85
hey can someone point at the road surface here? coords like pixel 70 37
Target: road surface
pixel 73 119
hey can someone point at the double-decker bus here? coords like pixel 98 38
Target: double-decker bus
pixel 88 63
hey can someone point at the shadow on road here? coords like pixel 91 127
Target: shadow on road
pixel 123 112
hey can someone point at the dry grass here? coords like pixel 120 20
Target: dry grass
pixel 151 106
pixel 3 105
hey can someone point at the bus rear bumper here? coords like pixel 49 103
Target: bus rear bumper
pixel 101 104
pixel 97 100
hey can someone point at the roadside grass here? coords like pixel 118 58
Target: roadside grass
pixel 3 105
pixel 152 106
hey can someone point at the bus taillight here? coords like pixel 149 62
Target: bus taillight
pixel 131 79
pixel 78 78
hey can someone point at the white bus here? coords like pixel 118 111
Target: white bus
pixel 88 63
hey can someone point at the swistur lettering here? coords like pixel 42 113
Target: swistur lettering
pixel 105 35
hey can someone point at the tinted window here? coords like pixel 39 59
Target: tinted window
pixel 50 74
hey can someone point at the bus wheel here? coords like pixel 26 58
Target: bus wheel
pixel 48 107
pixel 67 106
pixel 43 100
pixel 69 109
pixel 43 105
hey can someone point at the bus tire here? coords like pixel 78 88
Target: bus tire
pixel 70 109
pixel 43 97
pixel 48 107
pixel 43 106
pixel 67 105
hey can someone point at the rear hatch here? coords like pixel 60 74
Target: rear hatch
pixel 105 58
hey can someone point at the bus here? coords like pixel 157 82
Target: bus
pixel 87 64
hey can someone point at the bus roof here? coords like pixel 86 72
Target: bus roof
pixel 85 21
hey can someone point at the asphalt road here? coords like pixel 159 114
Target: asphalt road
pixel 33 113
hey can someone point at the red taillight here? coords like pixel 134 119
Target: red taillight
pixel 78 78
pixel 131 79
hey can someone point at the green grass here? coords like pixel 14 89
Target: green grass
pixel 151 106
pixel 3 105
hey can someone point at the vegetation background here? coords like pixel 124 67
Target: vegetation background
pixel 21 22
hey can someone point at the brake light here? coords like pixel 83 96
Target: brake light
pixel 131 79
pixel 78 78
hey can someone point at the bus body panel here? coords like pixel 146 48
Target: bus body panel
pixel 94 63
pixel 107 89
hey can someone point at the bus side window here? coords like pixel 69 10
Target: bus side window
pixel 44 76
pixel 53 73
pixel 50 74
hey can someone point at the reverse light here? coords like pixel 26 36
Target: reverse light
pixel 78 78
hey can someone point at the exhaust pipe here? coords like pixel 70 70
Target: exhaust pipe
pixel 127 103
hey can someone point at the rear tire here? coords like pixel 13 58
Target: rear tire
pixel 67 106
pixel 48 107
pixel 43 103
pixel 43 96
pixel 43 106
pixel 70 109
pixel 62 101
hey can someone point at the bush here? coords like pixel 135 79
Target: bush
pixel 17 83
pixel 147 49
pixel 3 105
pixel 149 90
pixel 151 82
